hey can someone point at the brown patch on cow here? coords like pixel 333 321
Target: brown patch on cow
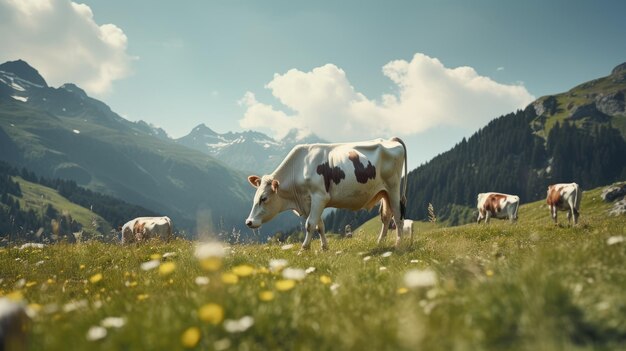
pixel 554 195
pixel 334 174
pixel 362 173
pixel 492 204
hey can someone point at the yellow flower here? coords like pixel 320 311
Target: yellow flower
pixel 15 296
pixel 29 284
pixel 243 270
pixel 50 281
pixel 325 279
pixel 95 278
pixel 402 291
pixel 211 264
pixel 167 268
pixel 190 337
pixel 155 256
pixel 266 295
pixel 142 297
pixel 82 266
pixel 489 273
pixel 211 313
pixel 229 278
pixel 285 284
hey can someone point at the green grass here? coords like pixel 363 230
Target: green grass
pixel 37 197
pixel 525 286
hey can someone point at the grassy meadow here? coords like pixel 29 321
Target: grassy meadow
pixel 525 286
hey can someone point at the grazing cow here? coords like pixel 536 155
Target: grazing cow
pixel 497 205
pixel 351 175
pixel 564 197
pixel 144 228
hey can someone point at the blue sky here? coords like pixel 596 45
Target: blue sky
pixel 429 71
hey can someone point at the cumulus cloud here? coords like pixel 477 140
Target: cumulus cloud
pixel 63 42
pixel 426 94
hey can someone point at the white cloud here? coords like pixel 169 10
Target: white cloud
pixel 427 94
pixel 62 41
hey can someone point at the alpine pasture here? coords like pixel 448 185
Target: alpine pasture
pixel 531 285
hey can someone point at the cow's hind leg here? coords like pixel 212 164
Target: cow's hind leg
pixel 321 229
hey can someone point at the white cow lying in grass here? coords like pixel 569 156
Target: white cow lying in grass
pixel 144 228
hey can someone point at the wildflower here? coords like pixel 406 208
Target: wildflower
pixel 243 270
pixel 222 344
pixel 130 284
pixel 211 313
pixel 489 273
pixel 334 288
pixel 294 273
pixel 211 264
pixel 202 280
pixel 74 305
pixel 276 265
pixel 82 266
pixel 416 278
pixel 367 258
pixel 230 278
pixel 96 333
pixel 238 325
pixel 113 322
pixel 382 268
pixel 266 295
pixel 29 284
pixel 169 254
pixel 415 261
pixel 402 291
pixel 155 256
pixel 150 265
pixel 325 279
pixel 615 240
pixel 167 268
pixel 95 278
pixel 287 247
pixel 309 270
pixel 285 284
pixel 190 337
pixel 142 297
pixel 387 254
pixel 15 296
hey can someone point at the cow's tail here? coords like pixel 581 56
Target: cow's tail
pixel 404 184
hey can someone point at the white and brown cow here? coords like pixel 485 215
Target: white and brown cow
pixel 497 205
pixel 144 228
pixel 350 175
pixel 564 197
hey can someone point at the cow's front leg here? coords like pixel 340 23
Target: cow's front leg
pixel 313 222
pixel 322 230
pixel 553 211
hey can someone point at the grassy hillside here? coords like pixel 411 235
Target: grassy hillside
pixel 37 197
pixel 526 286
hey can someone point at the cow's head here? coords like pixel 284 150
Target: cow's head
pixel 266 203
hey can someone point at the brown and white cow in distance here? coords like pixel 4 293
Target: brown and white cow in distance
pixel 347 175
pixel 144 228
pixel 564 197
pixel 497 205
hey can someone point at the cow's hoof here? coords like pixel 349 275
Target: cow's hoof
pixel 324 248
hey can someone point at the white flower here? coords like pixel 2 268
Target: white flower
pixel 202 280
pixel 415 261
pixel 416 278
pixel 222 344
pixel 96 333
pixel 383 268
pixel 615 240
pixel 74 305
pixel 146 266
pixel 209 250
pixel 238 325
pixel 277 264
pixel 367 258
pixel 309 270
pixel 294 273
pixel 387 254
pixel 169 254
pixel 287 247
pixel 113 322
pixel 334 288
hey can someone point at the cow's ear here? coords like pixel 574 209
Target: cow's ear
pixel 275 184
pixel 254 180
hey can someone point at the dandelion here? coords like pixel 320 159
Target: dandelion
pixel 95 278
pixel 416 278
pixel 402 291
pixel 238 325
pixel 29 284
pixel 230 278
pixel 150 265
pixel 211 313
pixel 309 270
pixel 387 254
pixel 142 297
pixel 202 281
pixel 82 266
pixel 167 268
pixel 276 265
pixel 294 273
pixel 113 322
pixel 190 337
pixel 615 240
pixel 243 270
pixel 285 284
pixel 155 256
pixel 287 247
pixel 96 333
pixel 325 280
pixel 266 295
pixel 211 264
pixel 489 273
